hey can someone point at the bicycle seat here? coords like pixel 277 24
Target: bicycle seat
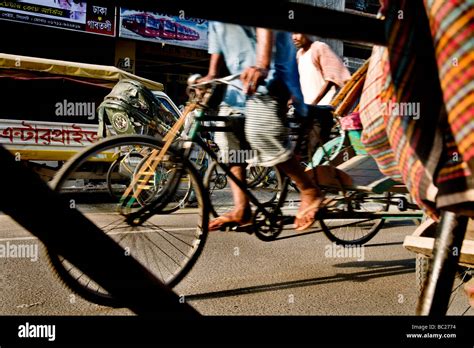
pixel 320 111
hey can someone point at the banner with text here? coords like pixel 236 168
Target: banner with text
pixel 73 15
pixel 162 28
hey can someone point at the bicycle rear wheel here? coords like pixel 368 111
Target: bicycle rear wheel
pixel 167 245
pixel 121 171
pixel 264 183
pixel 155 185
pixel 348 221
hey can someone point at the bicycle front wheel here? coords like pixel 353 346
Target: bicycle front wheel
pixel 458 305
pixel 167 245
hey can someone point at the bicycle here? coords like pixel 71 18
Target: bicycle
pixel 121 171
pixel 169 245
pixel 142 229
pixel 168 253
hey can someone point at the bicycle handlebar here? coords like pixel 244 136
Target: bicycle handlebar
pixel 222 80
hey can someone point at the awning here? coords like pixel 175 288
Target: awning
pixel 102 73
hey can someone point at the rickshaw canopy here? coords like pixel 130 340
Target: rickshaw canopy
pixel 107 76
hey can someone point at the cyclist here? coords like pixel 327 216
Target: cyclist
pixel 276 71
pixel 321 72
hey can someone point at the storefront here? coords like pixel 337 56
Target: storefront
pixel 156 46
pixel 98 35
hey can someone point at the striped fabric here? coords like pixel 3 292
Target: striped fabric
pixel 265 131
pixel 229 142
pixel 452 28
pixel 374 136
pixel 354 83
pixel 417 125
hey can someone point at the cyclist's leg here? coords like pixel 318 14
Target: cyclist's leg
pixel 311 196
pixel 267 135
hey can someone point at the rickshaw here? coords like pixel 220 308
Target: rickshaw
pixel 51 113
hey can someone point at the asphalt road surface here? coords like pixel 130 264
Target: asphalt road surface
pixel 237 274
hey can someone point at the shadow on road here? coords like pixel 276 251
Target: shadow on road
pixel 405 264
pixel 376 269
pixel 298 234
pixel 382 244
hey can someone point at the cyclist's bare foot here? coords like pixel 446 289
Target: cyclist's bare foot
pixel 237 217
pixel 469 289
pixel 311 200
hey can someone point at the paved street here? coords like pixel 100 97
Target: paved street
pixel 237 274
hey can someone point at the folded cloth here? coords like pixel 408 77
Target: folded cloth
pixel 419 118
pixel 452 28
pixel 374 135
pixel 351 121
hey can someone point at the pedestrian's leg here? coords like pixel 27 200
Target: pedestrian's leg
pixel 232 142
pixel 241 214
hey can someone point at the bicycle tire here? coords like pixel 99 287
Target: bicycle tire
pixel 444 265
pixel 368 227
pixel 110 172
pixel 199 235
pixel 455 306
pixel 220 181
pixel 422 264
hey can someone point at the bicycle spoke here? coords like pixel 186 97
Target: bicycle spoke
pixel 165 244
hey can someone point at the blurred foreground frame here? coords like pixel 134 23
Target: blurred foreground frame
pixel 49 217
pixel 284 15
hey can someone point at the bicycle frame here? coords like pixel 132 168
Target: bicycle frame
pixel 190 136
pixel 226 168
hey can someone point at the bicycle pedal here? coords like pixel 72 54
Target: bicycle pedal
pixel 288 220
pixel 320 213
pixel 242 228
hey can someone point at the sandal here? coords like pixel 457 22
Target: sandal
pixel 315 206
pixel 227 221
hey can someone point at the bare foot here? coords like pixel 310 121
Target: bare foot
pixel 236 216
pixel 469 290
pixel 311 200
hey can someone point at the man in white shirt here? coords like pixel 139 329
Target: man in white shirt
pixel 321 71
